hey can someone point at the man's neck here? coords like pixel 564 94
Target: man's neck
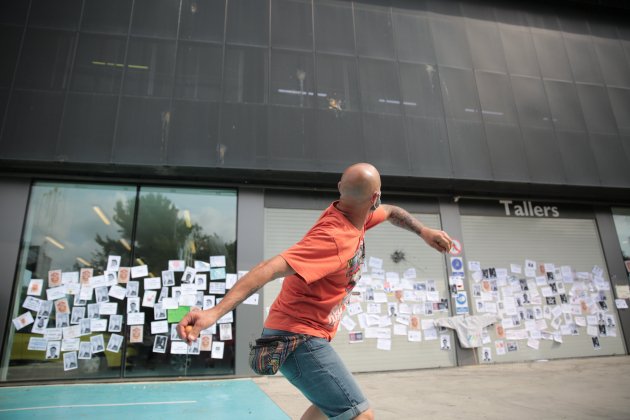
pixel 356 216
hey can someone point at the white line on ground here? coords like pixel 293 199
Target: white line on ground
pixel 96 405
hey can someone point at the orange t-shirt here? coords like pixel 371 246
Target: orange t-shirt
pixel 327 262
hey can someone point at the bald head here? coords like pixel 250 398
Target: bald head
pixel 359 183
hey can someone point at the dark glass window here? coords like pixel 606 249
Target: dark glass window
pixel 55 14
pixel 143 129
pixel 429 153
pixel 292 79
pixel 32 125
pixel 620 100
pixel 13 12
pixel 451 43
pixel 583 59
pixel 519 50
pixel 577 158
pixel 150 64
pixel 99 63
pixel 65 232
pixel 292 24
pixel 543 156
pixel 248 22
pixel 611 159
pixel 621 217
pixel 338 139
pixel 110 16
pixel 246 74
pixel 379 86
pixel 413 38
pixel 45 59
pixel 193 135
pixel 334 28
pixel 88 128
pixel 421 93
pixel 597 110
pixel 385 143
pixel 565 106
pixel 155 18
pixel 202 20
pixel 495 95
pixel 469 150
pixel 552 55
pixel 374 31
pixel 531 102
pixel 10 37
pixel 244 134
pixel 613 61
pixel 460 94
pixel 198 74
pixel 73 227
pixel 292 138
pixel 485 45
pixel 337 84
pixel 506 152
pixel 191 225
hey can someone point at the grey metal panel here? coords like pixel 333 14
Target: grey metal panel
pixel 596 108
pixel 385 145
pixel 507 153
pixel 501 241
pixel 552 56
pixel 611 159
pixel 495 95
pixel 14 193
pixel 451 42
pixel 577 158
pixel 520 53
pixel 485 45
pixel 249 251
pixel 469 150
pixel 429 153
pixel 583 59
pixel 543 156
pixel 565 106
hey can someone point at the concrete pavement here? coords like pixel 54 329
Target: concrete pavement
pixel 585 388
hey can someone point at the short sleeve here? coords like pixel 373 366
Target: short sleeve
pixel 314 257
pixel 377 217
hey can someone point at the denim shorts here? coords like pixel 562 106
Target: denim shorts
pixel 318 372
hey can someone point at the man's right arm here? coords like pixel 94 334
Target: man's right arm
pixel 251 282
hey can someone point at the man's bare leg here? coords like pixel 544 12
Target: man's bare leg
pixel 314 413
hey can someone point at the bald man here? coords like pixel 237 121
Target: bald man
pixel 319 273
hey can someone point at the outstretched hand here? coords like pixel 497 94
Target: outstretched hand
pixel 437 239
pixel 193 323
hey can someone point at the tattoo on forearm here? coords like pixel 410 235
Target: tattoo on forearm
pixel 403 219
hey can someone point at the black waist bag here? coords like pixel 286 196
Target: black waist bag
pixel 270 352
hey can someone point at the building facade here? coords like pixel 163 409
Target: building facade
pixel 143 141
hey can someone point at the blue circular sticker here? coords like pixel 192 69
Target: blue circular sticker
pixel 457 264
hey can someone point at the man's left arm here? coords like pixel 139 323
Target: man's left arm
pixel 436 239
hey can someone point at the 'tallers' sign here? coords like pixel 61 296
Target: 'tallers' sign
pixel 527 209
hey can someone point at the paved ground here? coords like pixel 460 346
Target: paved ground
pixel 589 388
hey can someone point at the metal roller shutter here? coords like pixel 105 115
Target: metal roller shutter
pixel 284 227
pixel 501 241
